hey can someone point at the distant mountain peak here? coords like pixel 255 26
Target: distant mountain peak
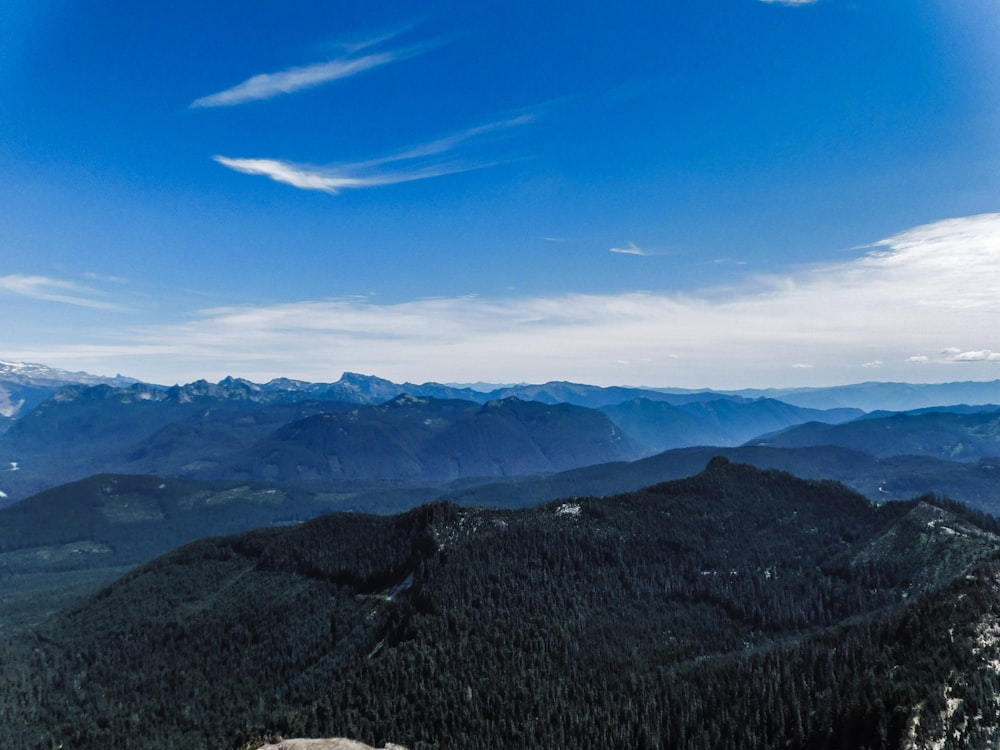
pixel 32 373
pixel 231 382
pixel 357 378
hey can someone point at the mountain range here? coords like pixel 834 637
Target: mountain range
pixel 232 431
pixel 292 431
pixel 289 431
pixel 39 381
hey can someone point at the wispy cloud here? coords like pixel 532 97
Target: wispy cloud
pixel 415 163
pixel 103 277
pixel 452 141
pixel 791 2
pixel 54 290
pixel 921 303
pixel 296 175
pixel 630 249
pixel 269 85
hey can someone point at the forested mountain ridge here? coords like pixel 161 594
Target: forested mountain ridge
pixel 237 428
pixel 880 480
pixel 121 520
pixel 737 608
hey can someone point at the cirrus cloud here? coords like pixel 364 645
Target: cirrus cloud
pixel 269 85
pixel 419 162
pixel 630 249
pixel 54 290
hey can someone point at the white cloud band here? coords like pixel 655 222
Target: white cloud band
pixel 923 298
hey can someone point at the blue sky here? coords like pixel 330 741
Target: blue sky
pixel 698 194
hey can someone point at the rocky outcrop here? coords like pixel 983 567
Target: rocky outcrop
pixel 332 743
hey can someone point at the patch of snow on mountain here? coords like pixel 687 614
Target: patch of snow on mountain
pixel 8 407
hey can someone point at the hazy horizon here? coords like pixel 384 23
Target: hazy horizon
pixel 484 386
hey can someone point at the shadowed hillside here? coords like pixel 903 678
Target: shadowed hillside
pixel 417 438
pixel 68 541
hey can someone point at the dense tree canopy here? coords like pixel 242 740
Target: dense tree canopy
pixel 734 609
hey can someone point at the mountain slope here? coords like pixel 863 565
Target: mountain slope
pixel 430 439
pixel 660 425
pixel 737 608
pixel 68 541
pixel 948 435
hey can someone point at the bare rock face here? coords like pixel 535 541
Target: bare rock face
pixel 332 743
